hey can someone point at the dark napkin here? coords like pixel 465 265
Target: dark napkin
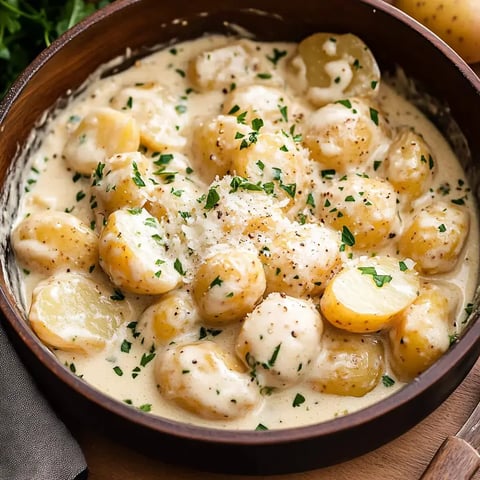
pixel 34 443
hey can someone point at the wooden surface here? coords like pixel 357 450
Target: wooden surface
pixel 402 459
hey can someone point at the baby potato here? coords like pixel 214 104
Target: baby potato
pixel 345 135
pixel 206 380
pixel 133 249
pixel 156 111
pixel 338 66
pixel 103 132
pixel 221 67
pixel 228 284
pixel 71 312
pixel 409 165
pixel 49 241
pixel 301 260
pixel 365 295
pixel 214 144
pixel 174 199
pixel 434 237
pixel 455 21
pixel 121 182
pixel 272 159
pixel 173 315
pixel 420 333
pixel 279 340
pixel 366 206
pixel 349 364
pixel 270 104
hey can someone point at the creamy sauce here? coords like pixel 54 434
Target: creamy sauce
pixel 53 185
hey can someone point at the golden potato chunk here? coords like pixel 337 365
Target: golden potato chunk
pixel 338 66
pixel 158 113
pixel 49 241
pixel 365 295
pixel 72 312
pixel 366 206
pixel 206 380
pixel 228 284
pixel 349 364
pixel 410 165
pixel 133 249
pixel 420 334
pixel 121 182
pixel 103 132
pixel 172 316
pixel 434 237
pixel 301 260
pixel 345 135
pixel 214 144
pixel 280 339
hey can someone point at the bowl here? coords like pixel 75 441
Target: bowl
pixel 435 79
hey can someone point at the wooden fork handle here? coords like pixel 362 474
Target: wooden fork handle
pixel 455 459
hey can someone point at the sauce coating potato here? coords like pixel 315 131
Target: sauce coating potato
pixel 338 66
pixel 345 135
pixel 71 312
pixel 420 334
pixel 100 134
pixel 228 284
pixel 206 380
pixel 279 340
pixel 135 257
pixel 348 363
pixel 435 237
pixel 50 241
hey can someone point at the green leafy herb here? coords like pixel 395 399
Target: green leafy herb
pixel 261 427
pixel 380 280
pixel 298 400
pixel 347 237
pixel 125 346
pixel 277 55
pixel 387 380
pixel 118 371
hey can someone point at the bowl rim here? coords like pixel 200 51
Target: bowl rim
pixel 451 359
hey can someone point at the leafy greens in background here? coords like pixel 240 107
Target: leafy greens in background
pixel 27 27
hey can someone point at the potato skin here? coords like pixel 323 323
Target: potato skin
pixel 457 22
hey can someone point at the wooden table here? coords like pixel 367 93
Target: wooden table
pixel 402 459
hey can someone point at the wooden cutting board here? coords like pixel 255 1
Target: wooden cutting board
pixel 402 459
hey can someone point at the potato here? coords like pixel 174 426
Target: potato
pixel 172 316
pixel 338 66
pixel 434 237
pixel 280 339
pixel 71 312
pixel 348 364
pixel 455 21
pixel 102 133
pixel 121 182
pixel 345 135
pixel 50 240
pixel 228 284
pixel 156 111
pixel 365 295
pixel 420 334
pixel 301 260
pixel 366 206
pixel 206 380
pixel 134 252
pixel 409 165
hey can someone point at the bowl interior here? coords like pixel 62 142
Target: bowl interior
pixel 439 83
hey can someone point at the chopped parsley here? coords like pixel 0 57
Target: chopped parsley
pixel 298 400
pixel 380 280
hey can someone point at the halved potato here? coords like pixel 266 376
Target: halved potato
pixel 367 293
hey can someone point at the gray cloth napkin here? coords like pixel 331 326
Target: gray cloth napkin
pixel 34 443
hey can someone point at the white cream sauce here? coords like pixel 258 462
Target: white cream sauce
pixel 50 186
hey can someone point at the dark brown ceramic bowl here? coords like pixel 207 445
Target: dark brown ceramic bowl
pixel 395 40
